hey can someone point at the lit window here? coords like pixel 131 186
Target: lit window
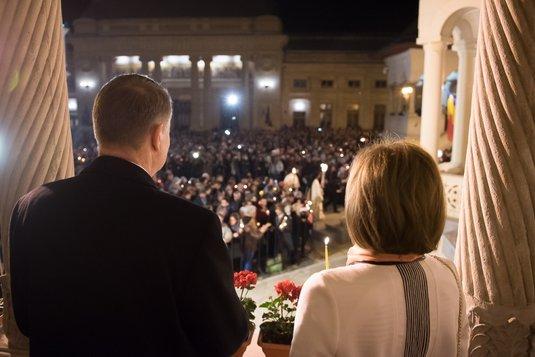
pixel 299 105
pixel 73 104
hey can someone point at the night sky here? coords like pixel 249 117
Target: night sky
pixel 357 17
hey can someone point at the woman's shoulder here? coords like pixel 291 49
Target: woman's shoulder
pixel 442 269
pixel 349 275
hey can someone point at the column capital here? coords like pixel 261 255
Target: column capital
pixel 194 58
pixel 462 47
pixel 435 46
pixel 207 58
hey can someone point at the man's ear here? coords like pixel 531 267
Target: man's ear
pixel 156 136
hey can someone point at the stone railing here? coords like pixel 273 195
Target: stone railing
pixel 452 191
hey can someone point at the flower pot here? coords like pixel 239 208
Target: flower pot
pixel 273 349
pixel 243 347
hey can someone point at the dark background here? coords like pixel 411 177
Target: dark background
pixel 357 17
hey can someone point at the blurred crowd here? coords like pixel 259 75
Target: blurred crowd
pixel 267 187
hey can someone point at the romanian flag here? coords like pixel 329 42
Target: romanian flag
pixel 450 115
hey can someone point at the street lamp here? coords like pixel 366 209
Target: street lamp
pixel 232 99
pixel 407 90
pixel 87 83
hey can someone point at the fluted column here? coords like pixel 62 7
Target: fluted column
pixel 207 93
pixel 431 106
pixel 34 118
pixel 195 100
pixel 465 84
pixel 496 247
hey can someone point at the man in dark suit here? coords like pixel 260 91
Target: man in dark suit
pixel 105 264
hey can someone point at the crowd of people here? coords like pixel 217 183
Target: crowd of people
pixel 267 187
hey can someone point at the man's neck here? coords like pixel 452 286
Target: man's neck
pixel 127 155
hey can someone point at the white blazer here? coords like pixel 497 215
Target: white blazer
pixel 407 309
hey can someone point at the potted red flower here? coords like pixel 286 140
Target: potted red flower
pixel 244 281
pixel 276 330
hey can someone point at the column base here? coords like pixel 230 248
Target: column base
pixel 500 330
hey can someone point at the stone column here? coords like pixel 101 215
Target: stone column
pixel 195 100
pixel 34 119
pixel 431 106
pixel 157 74
pixel 496 247
pixel 144 65
pixel 246 82
pixel 465 84
pixel 207 94
pixel 252 93
pixel 108 64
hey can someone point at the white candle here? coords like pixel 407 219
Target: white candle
pixel 326 241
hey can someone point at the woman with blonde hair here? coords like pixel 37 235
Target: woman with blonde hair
pixel 392 298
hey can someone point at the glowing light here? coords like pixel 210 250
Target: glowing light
pixel 176 59
pixel 299 105
pixel 223 59
pixel 294 170
pixel 341 155
pixel 233 117
pixel 73 104
pixel 227 132
pixel 324 167
pixel 232 99
pixel 440 153
pixel 122 60
pixel 320 130
pixel 239 147
pixel 363 140
pixel 303 152
pixel 406 91
pixel 266 83
pixel 87 83
pixel 196 154
pixel 326 240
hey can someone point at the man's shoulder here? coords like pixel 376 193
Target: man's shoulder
pixel 46 191
pixel 179 205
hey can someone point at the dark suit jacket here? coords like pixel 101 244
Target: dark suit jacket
pixel 104 264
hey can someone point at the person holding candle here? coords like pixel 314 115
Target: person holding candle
pixel 392 298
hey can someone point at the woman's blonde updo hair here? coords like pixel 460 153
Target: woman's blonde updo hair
pixel 394 199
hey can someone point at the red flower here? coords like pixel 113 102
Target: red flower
pixel 288 290
pixel 245 279
pixel 295 293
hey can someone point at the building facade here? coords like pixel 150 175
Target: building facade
pixel 228 72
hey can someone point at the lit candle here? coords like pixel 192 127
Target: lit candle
pixel 326 241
